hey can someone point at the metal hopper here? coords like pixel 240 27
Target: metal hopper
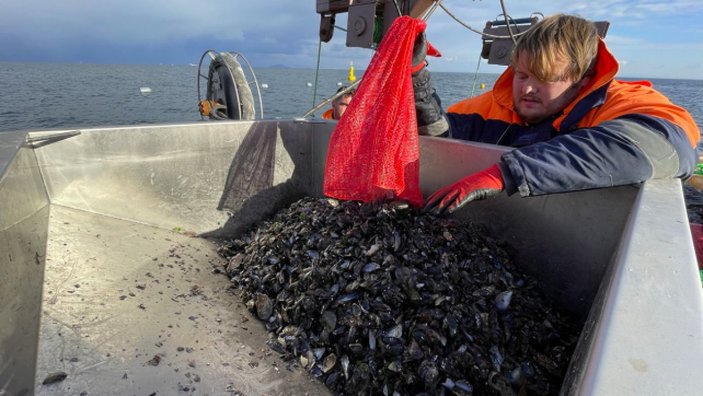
pixel 107 256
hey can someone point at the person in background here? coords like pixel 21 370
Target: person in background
pixel 573 126
pixel 339 105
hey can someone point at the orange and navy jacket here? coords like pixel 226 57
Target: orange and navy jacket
pixel 614 133
pixel 328 115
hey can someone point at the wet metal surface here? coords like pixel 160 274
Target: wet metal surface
pixel 134 309
pixel 24 213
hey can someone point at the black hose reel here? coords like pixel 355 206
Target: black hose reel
pixel 228 92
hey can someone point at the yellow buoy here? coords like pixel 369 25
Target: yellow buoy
pixel 351 77
pixel 483 86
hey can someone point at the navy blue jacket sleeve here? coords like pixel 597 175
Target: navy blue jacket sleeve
pixel 626 150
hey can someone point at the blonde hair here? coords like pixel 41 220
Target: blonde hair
pixel 555 39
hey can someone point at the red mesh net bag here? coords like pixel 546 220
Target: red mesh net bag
pixel 373 152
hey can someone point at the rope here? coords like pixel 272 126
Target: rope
pixel 478 64
pixel 507 23
pixel 478 31
pixel 431 10
pixel 317 71
pixel 397 8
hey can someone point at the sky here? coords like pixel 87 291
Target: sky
pixel 650 38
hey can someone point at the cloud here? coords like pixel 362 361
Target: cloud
pixel 632 10
pixel 286 31
pixel 623 40
pixel 49 26
pixel 131 20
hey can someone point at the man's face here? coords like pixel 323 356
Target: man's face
pixel 536 100
pixel 340 106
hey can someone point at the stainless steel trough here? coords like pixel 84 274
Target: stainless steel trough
pixel 107 260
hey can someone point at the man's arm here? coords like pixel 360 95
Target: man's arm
pixel 626 150
pixel 428 107
pixel 431 119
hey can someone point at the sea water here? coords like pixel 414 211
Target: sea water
pixel 51 95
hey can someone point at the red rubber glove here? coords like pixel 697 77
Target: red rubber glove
pixel 480 185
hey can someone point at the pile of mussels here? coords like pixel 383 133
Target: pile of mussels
pixel 386 299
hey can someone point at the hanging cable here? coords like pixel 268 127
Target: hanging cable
pixel 397 7
pixel 507 23
pixel 431 10
pixel 454 17
pixel 317 71
pixel 478 64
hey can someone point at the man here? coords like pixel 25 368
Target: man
pixel 573 125
pixel 339 105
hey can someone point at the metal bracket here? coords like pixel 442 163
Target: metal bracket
pixel 361 24
pixel 326 27
pixel 367 22
pixel 498 51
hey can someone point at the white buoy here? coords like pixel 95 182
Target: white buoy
pixel 145 90
pixel 309 84
pixel 264 85
pixel 339 83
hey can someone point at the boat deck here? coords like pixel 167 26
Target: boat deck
pixel 134 309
